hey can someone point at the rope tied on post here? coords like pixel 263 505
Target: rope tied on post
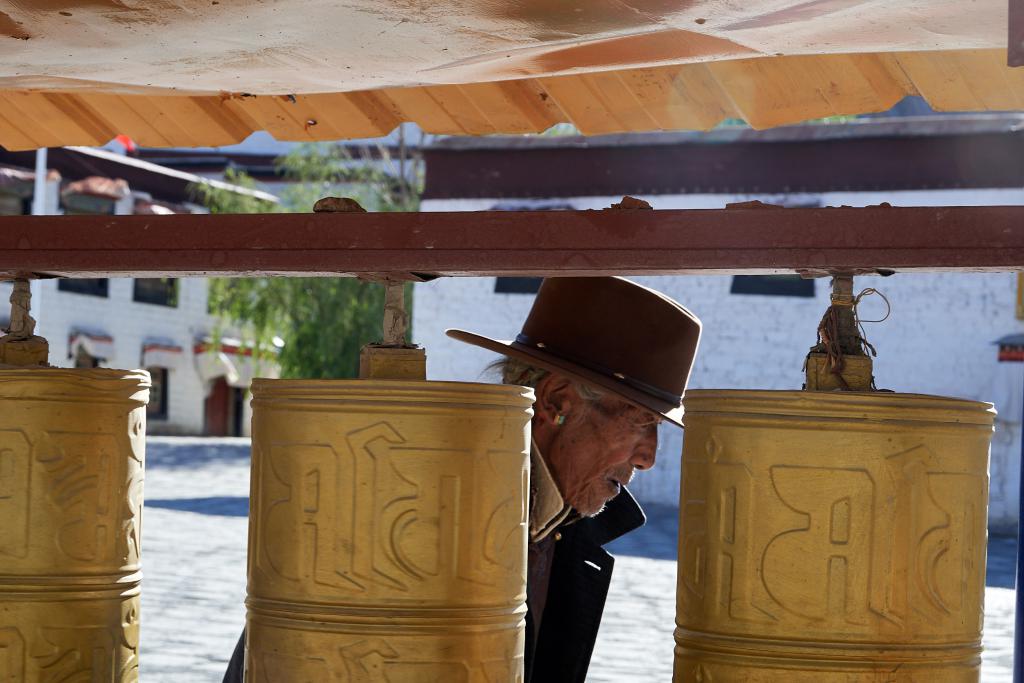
pixel 868 291
pixel 841 336
pixel 829 341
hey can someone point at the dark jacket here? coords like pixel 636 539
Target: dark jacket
pixel 581 571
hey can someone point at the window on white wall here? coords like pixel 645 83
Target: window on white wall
pixel 162 291
pixel 157 407
pixel 772 285
pixel 89 286
pixel 517 285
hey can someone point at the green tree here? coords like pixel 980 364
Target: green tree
pixel 323 321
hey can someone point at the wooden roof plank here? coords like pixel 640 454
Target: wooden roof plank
pixel 764 91
pixel 15 130
pixel 583 108
pixel 682 98
pixel 122 115
pixel 458 104
pixel 513 106
pixel 770 93
pixel 416 104
pixel 974 80
pixel 47 123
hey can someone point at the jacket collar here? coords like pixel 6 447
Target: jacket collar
pixel 547 507
pixel 621 515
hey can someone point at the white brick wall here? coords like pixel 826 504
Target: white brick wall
pixel 131 323
pixel 938 339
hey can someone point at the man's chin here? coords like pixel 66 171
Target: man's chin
pixel 594 507
pixel 595 497
pixel 594 513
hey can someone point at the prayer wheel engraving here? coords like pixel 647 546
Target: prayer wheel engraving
pixel 72 446
pixel 387 532
pixel 832 537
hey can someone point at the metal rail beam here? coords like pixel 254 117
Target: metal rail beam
pixel 744 239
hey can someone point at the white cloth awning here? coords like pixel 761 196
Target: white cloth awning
pixel 233 362
pixel 96 344
pixel 162 353
pixel 213 364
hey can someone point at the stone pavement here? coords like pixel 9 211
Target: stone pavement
pixel 195 535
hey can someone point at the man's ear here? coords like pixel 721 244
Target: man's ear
pixel 556 396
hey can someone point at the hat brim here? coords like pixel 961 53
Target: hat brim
pixel 534 356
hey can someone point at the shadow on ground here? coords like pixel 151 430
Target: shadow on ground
pixel 193 452
pixel 1002 561
pixel 224 506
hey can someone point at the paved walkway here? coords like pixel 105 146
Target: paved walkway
pixel 195 534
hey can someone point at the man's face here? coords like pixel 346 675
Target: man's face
pixel 593 454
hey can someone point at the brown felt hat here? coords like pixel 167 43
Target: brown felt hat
pixel 609 333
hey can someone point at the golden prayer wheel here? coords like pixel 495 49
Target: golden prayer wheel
pixel 834 536
pixel 387 533
pixel 72 446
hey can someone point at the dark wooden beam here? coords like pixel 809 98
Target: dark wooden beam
pixel 872 155
pixel 733 240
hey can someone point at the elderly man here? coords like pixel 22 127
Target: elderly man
pixel 609 360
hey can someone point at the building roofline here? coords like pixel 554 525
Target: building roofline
pixel 901 126
pixel 905 153
pixel 164 184
pixel 190 178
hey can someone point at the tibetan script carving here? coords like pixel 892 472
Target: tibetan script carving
pixel 831 534
pixel 71 501
pixel 403 525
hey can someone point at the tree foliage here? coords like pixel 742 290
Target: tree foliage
pixel 322 321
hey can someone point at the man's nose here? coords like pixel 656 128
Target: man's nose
pixel 646 452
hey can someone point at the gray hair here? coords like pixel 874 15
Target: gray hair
pixel 516 371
